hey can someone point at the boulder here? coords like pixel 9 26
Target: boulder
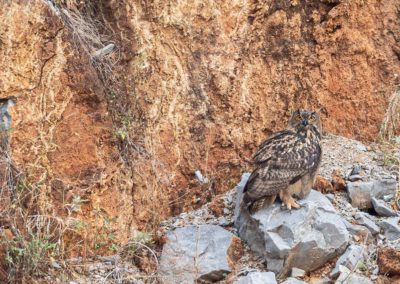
pixel 391 228
pixel 349 259
pixel 361 193
pixel 258 278
pixel 305 238
pixel 382 208
pixel 196 253
pixel 384 187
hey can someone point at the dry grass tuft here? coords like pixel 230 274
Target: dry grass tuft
pixel 85 30
pixel 391 120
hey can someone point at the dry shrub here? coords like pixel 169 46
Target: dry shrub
pixel 391 121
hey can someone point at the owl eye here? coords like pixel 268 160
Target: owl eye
pixel 312 117
pixel 298 117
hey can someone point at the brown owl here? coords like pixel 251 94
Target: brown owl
pixel 286 163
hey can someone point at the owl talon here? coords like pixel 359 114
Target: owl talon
pixel 291 203
pixel 288 200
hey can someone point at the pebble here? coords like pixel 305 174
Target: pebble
pixel 297 272
pixel 355 177
pixel 356 170
pixel 361 147
pixel 388 197
pixel 55 265
pixel 200 177
pixel 224 222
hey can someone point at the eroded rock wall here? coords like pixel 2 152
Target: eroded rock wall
pixel 205 81
pixel 62 138
pixel 213 78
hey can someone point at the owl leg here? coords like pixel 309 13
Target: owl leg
pixel 269 200
pixel 287 200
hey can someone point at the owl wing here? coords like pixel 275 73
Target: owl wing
pixel 280 161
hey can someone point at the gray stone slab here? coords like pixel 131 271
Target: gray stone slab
pixel 305 238
pixel 196 253
pixel 258 278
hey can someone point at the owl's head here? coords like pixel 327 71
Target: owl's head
pixel 304 119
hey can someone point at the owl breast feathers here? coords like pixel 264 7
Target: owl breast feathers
pixel 286 164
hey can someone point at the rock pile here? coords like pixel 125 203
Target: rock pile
pixel 355 221
pixel 305 238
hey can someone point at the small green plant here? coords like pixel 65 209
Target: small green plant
pixel 28 254
pixel 79 225
pixel 106 235
pixel 126 121
pixel 121 134
pixel 362 266
pixel 114 247
pixel 139 241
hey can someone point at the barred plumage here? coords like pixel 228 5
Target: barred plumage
pixel 286 163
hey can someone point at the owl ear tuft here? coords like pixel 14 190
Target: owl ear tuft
pixel 322 110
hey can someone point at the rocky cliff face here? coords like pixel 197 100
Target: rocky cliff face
pixel 193 86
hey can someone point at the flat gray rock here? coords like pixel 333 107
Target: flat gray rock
pixel 258 278
pixel 196 253
pixel 305 238
pixel 383 187
pixel 383 208
pixel 364 219
pixel 358 230
pixel 353 278
pixel 352 255
pixel 391 228
pixel 292 280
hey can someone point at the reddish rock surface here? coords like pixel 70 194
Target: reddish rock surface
pixel 201 85
pixel 323 185
pixel 389 261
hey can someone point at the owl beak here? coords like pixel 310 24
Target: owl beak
pixel 304 122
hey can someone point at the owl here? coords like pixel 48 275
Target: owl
pixel 286 163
